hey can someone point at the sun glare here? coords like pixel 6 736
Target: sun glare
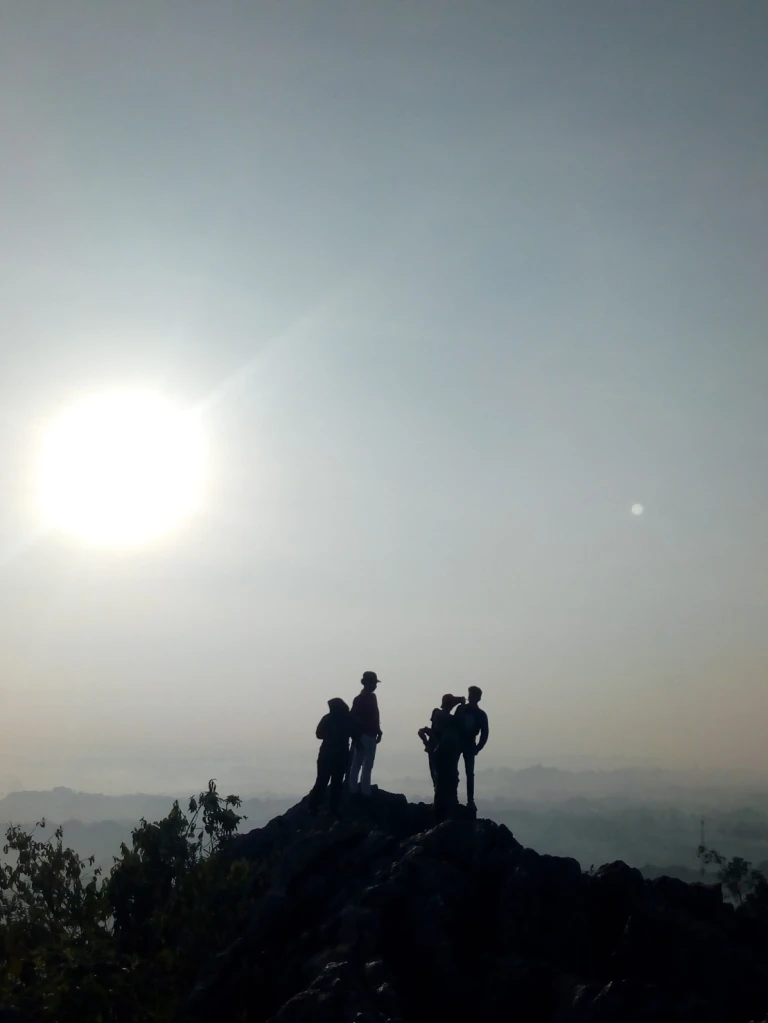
pixel 120 469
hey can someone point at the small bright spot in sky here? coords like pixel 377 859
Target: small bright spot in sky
pixel 120 469
pixel 637 509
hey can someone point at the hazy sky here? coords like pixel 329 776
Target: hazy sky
pixel 457 284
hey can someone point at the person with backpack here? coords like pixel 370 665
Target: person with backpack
pixel 426 736
pixel 430 734
pixel 365 711
pixel 474 722
pixel 335 730
pixel 445 731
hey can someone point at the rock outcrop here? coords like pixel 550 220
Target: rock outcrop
pixel 381 917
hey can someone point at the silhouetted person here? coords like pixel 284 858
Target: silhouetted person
pixel 365 711
pixel 445 729
pixel 335 730
pixel 426 736
pixel 475 723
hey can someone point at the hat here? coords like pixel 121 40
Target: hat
pixel 370 676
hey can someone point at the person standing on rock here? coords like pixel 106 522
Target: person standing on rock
pixel 475 723
pixel 365 711
pixel 335 730
pixel 446 731
pixel 426 736
pixel 430 735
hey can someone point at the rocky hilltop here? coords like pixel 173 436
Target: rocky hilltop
pixel 382 917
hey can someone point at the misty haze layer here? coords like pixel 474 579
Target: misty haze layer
pixel 651 819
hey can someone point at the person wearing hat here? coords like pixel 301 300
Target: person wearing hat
pixel 365 711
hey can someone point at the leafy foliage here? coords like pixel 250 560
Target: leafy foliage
pixel 76 946
pixel 744 883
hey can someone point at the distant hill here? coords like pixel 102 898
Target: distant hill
pixel 595 829
pixel 62 804
pixel 658 784
pixel 96 825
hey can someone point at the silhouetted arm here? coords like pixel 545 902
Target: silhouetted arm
pixel 379 732
pixel 483 732
pixel 322 729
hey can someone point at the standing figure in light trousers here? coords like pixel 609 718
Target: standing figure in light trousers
pixel 365 711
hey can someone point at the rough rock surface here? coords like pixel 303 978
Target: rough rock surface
pixel 381 917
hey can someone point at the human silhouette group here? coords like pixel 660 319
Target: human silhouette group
pixel 349 738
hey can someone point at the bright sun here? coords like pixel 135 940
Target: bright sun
pixel 120 469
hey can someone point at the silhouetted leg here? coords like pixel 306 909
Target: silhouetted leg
pixel 446 763
pixel 369 755
pixel 323 777
pixel 432 769
pixel 452 782
pixel 469 768
pixel 337 783
pixel 439 803
pixel 355 768
pixel 454 796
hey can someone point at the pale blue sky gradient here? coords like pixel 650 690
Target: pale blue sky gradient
pixel 455 284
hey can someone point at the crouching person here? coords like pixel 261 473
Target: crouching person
pixel 335 730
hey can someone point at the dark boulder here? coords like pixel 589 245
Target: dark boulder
pixel 700 901
pixel 381 916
